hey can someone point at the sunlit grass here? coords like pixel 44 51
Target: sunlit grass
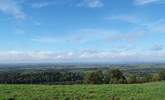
pixel 148 91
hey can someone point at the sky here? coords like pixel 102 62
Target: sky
pixel 115 31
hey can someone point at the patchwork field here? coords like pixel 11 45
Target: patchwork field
pixel 148 91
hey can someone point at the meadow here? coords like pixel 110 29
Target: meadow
pixel 146 91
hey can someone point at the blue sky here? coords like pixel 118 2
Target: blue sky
pixel 82 31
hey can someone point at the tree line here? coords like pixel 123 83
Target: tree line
pixel 116 76
pixel 113 76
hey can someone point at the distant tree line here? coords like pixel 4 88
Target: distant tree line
pixel 41 77
pixel 113 76
pixel 116 76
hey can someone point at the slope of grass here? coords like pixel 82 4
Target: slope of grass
pixel 149 91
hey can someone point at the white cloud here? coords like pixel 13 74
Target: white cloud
pixel 129 37
pixel 80 3
pixel 141 24
pixel 144 2
pixel 157 26
pixel 86 36
pixel 126 18
pixel 91 3
pixel 42 4
pixel 11 7
pixel 46 39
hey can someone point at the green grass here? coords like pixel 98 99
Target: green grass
pixel 149 91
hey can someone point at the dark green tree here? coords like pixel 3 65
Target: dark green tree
pixel 114 76
pixel 132 79
pixel 96 77
pixel 162 74
pixel 156 77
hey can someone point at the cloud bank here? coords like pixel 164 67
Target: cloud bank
pixel 83 56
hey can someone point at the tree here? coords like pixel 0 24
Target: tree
pixel 94 77
pixel 132 79
pixel 115 76
pixel 156 77
pixel 162 74
pixel 147 78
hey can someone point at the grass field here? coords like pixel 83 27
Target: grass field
pixel 149 91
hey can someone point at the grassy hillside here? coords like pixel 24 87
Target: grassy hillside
pixel 149 91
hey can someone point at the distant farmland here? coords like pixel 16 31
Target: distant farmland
pixel 147 91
